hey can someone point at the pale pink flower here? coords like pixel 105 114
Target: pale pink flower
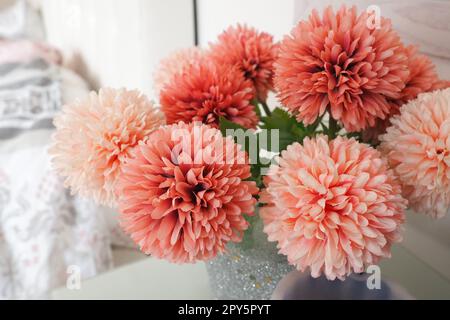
pixel 332 206
pixel 179 206
pixel 173 64
pixel 337 62
pixel 94 136
pixel 417 146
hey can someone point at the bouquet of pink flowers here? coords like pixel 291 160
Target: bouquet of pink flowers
pixel 364 133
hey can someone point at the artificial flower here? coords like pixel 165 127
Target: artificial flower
pixel 94 136
pixel 338 62
pixel 417 146
pixel 205 92
pixel 253 52
pixel 173 64
pixel 183 194
pixel 333 206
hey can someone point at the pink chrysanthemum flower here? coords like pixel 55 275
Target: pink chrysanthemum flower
pixel 253 52
pixel 205 92
pixel 422 78
pixel 173 64
pixel 183 193
pixel 422 75
pixel 417 146
pixel 332 206
pixel 94 136
pixel 441 84
pixel 336 61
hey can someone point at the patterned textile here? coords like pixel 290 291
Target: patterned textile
pixel 30 95
pixel 43 229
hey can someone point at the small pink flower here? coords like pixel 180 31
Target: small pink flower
pixel 253 52
pixel 417 146
pixel 422 78
pixel 207 91
pixel 332 206
pixel 422 75
pixel 94 136
pixel 179 206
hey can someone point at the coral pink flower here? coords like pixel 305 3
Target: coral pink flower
pixel 183 193
pixel 417 146
pixel 338 62
pixel 422 75
pixel 173 64
pixel 333 206
pixel 441 84
pixel 94 136
pixel 205 92
pixel 253 52
pixel 422 78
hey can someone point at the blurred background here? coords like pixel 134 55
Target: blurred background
pixel 52 51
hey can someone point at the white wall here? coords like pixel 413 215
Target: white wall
pixel 273 16
pixel 118 42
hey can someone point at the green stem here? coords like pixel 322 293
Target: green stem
pixel 266 108
pixel 333 127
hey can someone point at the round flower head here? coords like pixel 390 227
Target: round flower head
pixel 422 75
pixel 339 62
pixel 332 206
pixel 422 78
pixel 417 146
pixel 94 136
pixel 253 52
pixel 207 91
pixel 183 193
pixel 173 64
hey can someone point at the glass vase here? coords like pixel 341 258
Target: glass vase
pixel 250 269
pixel 301 286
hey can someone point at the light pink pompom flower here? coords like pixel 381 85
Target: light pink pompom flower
pixel 417 146
pixel 173 64
pixel 184 195
pixel 253 52
pixel 94 136
pixel 332 206
pixel 207 91
pixel 337 62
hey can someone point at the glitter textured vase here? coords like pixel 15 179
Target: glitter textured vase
pixel 250 269
pixel 301 286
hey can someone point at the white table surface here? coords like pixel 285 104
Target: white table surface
pixel 145 278
pixel 150 278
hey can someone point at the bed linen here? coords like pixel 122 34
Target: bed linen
pixel 45 233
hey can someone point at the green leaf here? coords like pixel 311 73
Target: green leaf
pixel 225 124
pixel 290 130
pixel 280 119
